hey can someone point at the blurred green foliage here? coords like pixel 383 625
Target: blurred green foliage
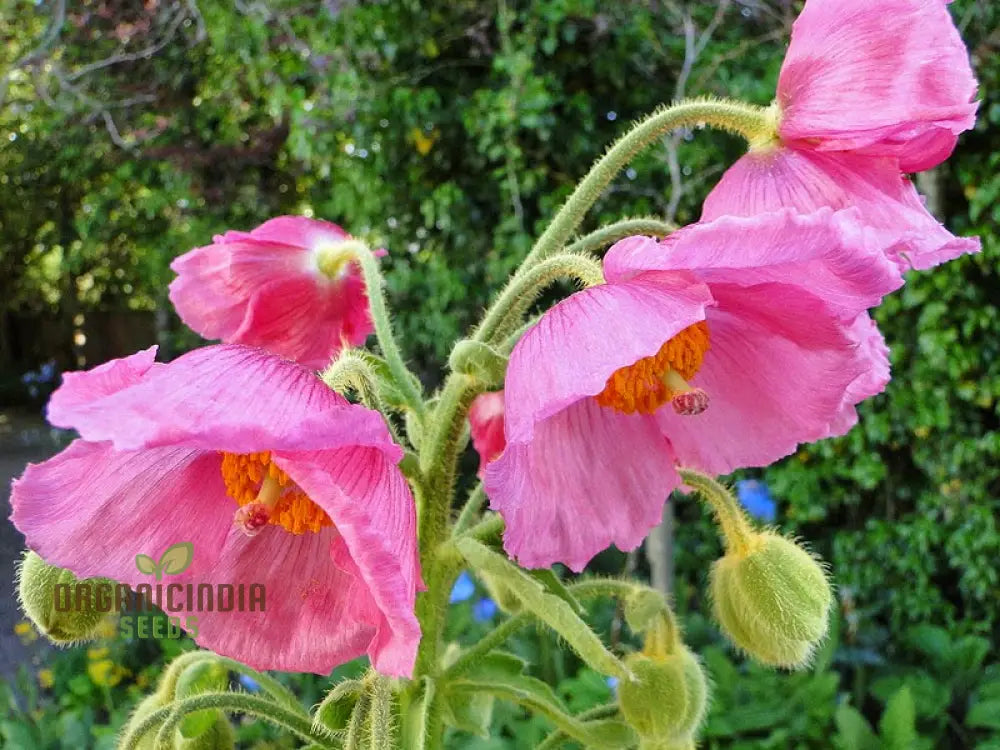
pixel 448 132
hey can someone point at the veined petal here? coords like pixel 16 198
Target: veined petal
pixel 589 477
pixel 823 250
pixel 777 372
pixel 892 78
pixel 229 398
pixel 580 342
pixel 92 509
pixel 370 504
pixel 808 181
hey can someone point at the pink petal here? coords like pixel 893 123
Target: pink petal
pixel 588 477
pixel 872 381
pixel 329 598
pixel 297 231
pixel 807 181
pixel 370 503
pixel 891 77
pixel 204 295
pixel 577 344
pixel 92 509
pixel 307 320
pixel 486 421
pixel 825 251
pixel 229 398
pixel 779 365
pixel 78 389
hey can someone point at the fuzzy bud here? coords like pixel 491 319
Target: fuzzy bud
pixel 219 736
pixel 772 600
pixel 206 676
pixel 150 704
pixel 655 701
pixel 49 596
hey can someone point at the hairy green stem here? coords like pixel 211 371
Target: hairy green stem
pixel 611 233
pixel 557 737
pixel 374 283
pixel 470 511
pixel 736 531
pixel 754 123
pixel 381 722
pixel 506 313
pixel 171 716
pixel 496 637
pixel 351 372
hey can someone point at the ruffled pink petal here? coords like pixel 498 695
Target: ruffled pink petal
pixel 371 506
pixel 891 77
pixel 92 509
pixel 202 293
pixel 577 344
pixel 807 181
pixel 307 319
pixel 229 398
pixel 79 389
pixel 588 478
pixel 871 381
pixel 486 422
pixel 823 250
pixel 297 231
pixel 776 373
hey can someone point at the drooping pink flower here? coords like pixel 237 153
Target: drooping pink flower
pixel 867 91
pixel 723 346
pixel 287 287
pixel 273 478
pixel 486 421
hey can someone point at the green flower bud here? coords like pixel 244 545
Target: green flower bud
pixel 206 676
pixel 219 736
pixel 696 685
pixel 772 600
pixel 148 705
pixel 49 596
pixel 655 702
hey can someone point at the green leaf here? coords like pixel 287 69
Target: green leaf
pixel 176 558
pixel 984 715
pixel 552 584
pixel 145 564
pixel 853 732
pixel 898 723
pixel 549 608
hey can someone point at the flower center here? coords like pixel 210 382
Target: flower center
pixel 648 384
pixel 332 258
pixel 266 495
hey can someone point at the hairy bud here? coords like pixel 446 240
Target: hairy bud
pixel 655 702
pixel 49 596
pixel 206 676
pixel 772 600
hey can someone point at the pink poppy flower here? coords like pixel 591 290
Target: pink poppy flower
pixel 867 91
pixel 286 287
pixel 486 421
pixel 723 346
pixel 273 478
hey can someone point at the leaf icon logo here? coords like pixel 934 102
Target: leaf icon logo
pixel 175 559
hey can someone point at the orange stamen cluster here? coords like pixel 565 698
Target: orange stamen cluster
pixel 640 387
pixel 244 473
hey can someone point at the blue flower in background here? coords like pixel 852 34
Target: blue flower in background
pixel 612 683
pixel 249 683
pixel 756 498
pixel 483 610
pixel 463 589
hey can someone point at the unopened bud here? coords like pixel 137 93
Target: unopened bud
pixel 63 608
pixel 219 736
pixel 655 701
pixel 150 704
pixel 772 600
pixel 205 676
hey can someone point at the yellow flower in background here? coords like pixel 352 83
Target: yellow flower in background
pixel 424 143
pixel 105 672
pixel 45 678
pixel 25 632
pixel 97 653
